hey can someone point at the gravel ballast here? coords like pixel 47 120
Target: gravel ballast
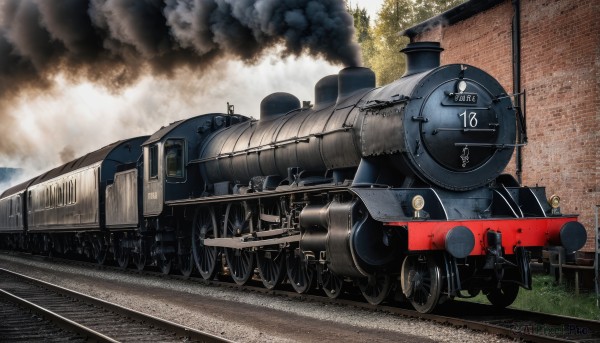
pixel 239 315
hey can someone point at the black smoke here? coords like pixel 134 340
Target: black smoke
pixel 113 42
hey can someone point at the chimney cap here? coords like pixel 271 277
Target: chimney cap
pixel 422 46
pixel 421 56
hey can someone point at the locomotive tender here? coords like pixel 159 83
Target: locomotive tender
pixel 397 190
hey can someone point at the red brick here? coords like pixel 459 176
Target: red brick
pixel 560 56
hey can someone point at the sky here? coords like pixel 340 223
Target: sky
pixel 81 117
pixel 372 6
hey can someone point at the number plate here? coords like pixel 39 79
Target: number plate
pixel 465 98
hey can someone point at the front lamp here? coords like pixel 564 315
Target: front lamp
pixel 418 203
pixel 554 202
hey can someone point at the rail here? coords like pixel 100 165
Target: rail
pixel 513 323
pixel 147 321
pixel 61 321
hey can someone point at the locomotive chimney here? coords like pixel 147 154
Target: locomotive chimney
pixel 326 92
pixel 352 79
pixel 421 56
pixel 276 104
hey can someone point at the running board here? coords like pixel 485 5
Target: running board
pixel 243 242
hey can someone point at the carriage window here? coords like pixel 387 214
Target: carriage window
pixel 61 195
pixel 174 158
pixel 154 161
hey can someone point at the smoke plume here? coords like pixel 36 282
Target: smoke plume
pixel 115 42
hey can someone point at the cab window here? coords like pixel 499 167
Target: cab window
pixel 174 158
pixel 154 161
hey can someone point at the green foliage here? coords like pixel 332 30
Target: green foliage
pixel 547 297
pixel 381 43
pixel 362 25
pixel 388 63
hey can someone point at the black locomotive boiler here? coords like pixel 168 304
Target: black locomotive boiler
pixel 396 190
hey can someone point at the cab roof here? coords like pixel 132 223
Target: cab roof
pixel 163 131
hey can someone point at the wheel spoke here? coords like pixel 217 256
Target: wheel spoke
pixel 99 250
pixel 375 289
pixel 270 260
pixel 240 261
pixel 122 254
pixel 299 273
pixel 421 282
pixel 139 256
pixel 164 265
pixel 204 257
pixel 186 265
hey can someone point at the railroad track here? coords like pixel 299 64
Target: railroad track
pixel 88 317
pixel 518 324
pixel 17 324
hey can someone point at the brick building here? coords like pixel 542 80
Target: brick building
pixel 554 46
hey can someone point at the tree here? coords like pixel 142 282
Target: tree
pixel 382 50
pixel 362 25
pixel 388 63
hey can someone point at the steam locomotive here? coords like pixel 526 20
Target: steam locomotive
pixel 396 190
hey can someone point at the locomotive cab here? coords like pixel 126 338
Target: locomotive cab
pixel 169 172
pixel 170 175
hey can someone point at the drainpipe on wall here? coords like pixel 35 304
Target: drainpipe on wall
pixel 516 69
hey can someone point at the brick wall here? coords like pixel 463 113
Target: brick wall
pixel 560 55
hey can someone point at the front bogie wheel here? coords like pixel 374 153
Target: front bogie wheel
pixel 503 296
pixel 421 281
pixel 375 288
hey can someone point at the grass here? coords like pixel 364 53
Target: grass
pixel 547 297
